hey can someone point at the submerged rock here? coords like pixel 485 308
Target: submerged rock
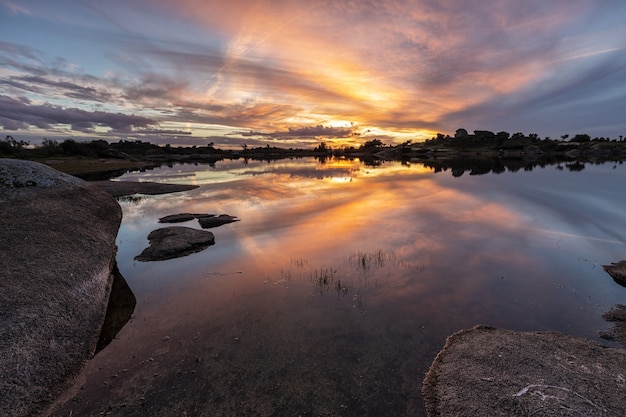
pixel 207 221
pixel 215 221
pixel 175 242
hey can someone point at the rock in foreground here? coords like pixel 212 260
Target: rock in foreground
pixel 174 242
pixel 58 251
pixel 492 372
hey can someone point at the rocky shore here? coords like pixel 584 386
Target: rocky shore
pixel 58 253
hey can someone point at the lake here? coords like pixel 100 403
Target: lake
pixel 341 281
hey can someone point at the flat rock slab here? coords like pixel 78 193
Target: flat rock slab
pixel 493 372
pixel 617 271
pixel 175 242
pixel 57 254
pixel 122 188
pixel 216 221
pixel 182 217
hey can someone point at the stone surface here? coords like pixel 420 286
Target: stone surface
pixel 617 271
pixel 122 188
pixel 216 221
pixel 182 217
pixel 57 254
pixel 617 316
pixel 493 372
pixel 174 242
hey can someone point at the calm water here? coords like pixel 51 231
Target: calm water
pixel 339 285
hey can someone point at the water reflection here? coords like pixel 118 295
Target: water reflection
pixel 341 282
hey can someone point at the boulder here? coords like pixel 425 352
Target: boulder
pixel 215 221
pixel 493 372
pixel 174 242
pixel 58 253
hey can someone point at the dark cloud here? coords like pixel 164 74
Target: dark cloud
pixel 21 113
pixel 316 132
pixel 17 50
pixel 174 132
pixel 37 84
pixel 153 86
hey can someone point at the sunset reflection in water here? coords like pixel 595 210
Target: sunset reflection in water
pixel 341 281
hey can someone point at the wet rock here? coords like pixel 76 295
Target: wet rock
pixel 495 372
pixel 182 217
pixel 617 271
pixel 175 242
pixel 617 316
pixel 122 188
pixel 215 221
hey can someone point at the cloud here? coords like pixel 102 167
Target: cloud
pixel 14 8
pixel 21 113
pixel 284 69
pixel 305 132
pixel 17 50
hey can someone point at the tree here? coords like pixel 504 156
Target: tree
pixel 582 138
pixel 374 143
pixel 322 147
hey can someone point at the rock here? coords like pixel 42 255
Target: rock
pixel 182 217
pixel 493 372
pixel 215 221
pixel 617 271
pixel 174 242
pixel 617 316
pixel 122 188
pixel 58 252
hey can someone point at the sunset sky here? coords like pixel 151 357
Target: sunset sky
pixel 294 73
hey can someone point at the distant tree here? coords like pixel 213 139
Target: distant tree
pixel 11 146
pixel 582 138
pixel 50 147
pixel 322 147
pixel 374 143
pixel 70 147
pixel 564 137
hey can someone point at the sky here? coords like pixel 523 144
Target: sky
pixel 296 73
